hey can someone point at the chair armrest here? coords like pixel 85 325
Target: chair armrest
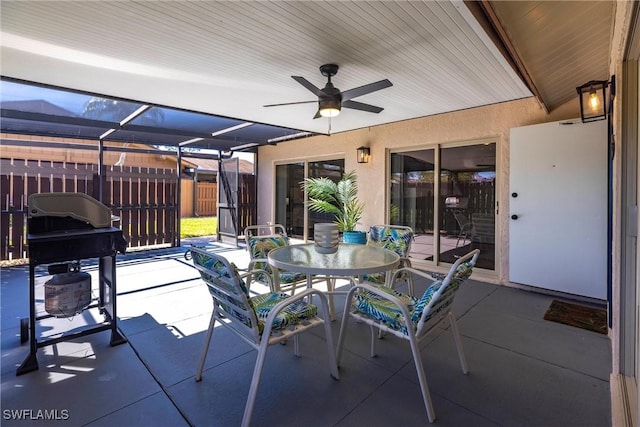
pixel 254 272
pixel 471 257
pixel 421 273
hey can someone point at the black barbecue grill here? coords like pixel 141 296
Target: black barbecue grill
pixel 63 229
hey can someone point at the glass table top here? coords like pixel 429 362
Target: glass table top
pixel 349 260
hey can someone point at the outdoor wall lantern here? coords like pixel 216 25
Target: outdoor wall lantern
pixel 593 100
pixel 363 154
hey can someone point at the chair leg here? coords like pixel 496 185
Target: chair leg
pixel 410 283
pixel 255 381
pixel 293 288
pixel 296 345
pixel 207 341
pixel 372 351
pixel 458 340
pixel 422 378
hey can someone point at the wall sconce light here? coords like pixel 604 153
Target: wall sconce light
pixel 363 154
pixel 593 100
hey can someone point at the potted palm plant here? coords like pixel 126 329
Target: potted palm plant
pixel 340 199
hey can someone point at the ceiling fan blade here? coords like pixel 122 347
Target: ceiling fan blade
pixel 306 83
pixel 363 90
pixel 361 106
pixel 289 103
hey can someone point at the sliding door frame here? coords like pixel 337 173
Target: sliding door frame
pixel 437 147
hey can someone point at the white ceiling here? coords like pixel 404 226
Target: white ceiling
pixel 231 58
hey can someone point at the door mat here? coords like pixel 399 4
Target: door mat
pixel 580 316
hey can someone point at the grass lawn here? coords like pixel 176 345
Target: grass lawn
pixel 198 226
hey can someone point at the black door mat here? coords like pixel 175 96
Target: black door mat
pixel 579 316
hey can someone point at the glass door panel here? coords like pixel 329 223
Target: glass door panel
pixel 467 203
pixel 290 198
pixel 412 195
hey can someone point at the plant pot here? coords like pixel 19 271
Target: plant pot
pixel 358 237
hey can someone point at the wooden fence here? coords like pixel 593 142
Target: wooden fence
pixel 145 199
pixel 247 203
pixel 419 210
pixel 206 203
pixel 186 198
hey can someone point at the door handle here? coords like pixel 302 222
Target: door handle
pixel 514 216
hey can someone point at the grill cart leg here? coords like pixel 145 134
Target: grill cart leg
pixel 30 364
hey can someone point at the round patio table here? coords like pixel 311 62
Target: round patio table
pixel 348 261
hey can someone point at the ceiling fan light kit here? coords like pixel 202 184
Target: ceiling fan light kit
pixel 328 107
pixel 331 100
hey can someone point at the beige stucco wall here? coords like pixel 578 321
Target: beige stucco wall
pixel 489 122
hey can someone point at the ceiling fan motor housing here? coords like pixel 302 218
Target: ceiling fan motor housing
pixel 329 103
pixel 329 70
pixel 330 98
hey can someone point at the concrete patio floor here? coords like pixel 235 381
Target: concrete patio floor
pixel 524 371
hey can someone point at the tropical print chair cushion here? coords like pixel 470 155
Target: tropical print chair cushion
pixel 377 278
pixel 260 246
pixel 376 307
pixel 229 280
pixel 425 300
pixel 221 270
pixel 226 279
pixel 294 313
pixel 290 277
pixel 389 314
pixel 446 298
pixel 394 239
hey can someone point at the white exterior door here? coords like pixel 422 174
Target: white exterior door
pixel 558 207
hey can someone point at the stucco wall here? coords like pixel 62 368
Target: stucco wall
pixel 481 123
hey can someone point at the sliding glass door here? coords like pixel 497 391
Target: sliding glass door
pixel 447 195
pixel 290 198
pixel 290 211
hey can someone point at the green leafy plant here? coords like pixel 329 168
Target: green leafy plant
pixel 339 199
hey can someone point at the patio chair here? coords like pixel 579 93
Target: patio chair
pixel 466 228
pixel 408 317
pixel 261 239
pixel 397 238
pixel 260 321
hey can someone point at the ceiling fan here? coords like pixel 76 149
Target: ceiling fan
pixel 331 99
